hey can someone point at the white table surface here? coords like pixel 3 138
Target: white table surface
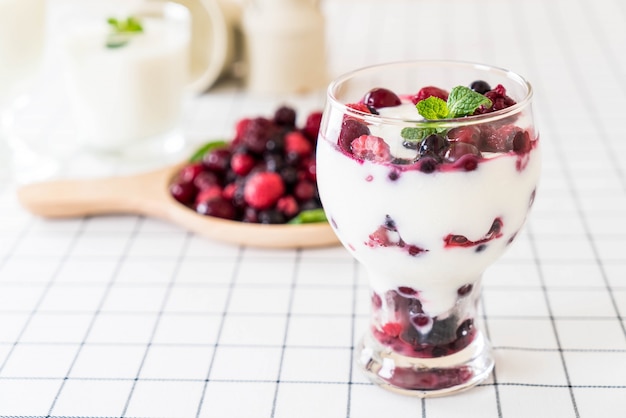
pixel 124 316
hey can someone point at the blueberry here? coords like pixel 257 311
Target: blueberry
pixel 428 164
pixel 480 86
pixel 271 216
pixel 433 145
pixel 390 224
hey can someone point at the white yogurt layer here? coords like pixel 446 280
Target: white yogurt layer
pixel 125 94
pixel 358 195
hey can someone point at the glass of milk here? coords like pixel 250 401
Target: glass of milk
pixel 427 171
pixel 22 24
pixel 127 99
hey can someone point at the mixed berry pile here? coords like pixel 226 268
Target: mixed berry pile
pixel 437 148
pixel 266 174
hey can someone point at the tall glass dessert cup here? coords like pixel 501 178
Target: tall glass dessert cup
pixel 426 171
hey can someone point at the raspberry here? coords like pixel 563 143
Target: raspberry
pixel 263 190
pixel 429 91
pixel 499 100
pixel 312 126
pixel 256 134
pixel 361 107
pixel 285 116
pixel 288 206
pixel 378 238
pixel 370 147
pixel 296 143
pixel 392 329
pixel 240 128
pixel 304 190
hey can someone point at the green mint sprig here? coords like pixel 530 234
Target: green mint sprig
pixel 122 31
pixel 462 101
pixel 309 216
pixel 196 157
pixel 418 134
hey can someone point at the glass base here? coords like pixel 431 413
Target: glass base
pixel 426 377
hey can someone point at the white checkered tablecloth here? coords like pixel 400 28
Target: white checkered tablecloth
pixel 125 316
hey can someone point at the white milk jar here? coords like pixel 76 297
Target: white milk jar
pixel 131 94
pixel 21 44
pixel 285 46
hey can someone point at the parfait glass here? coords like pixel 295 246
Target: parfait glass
pixel 426 204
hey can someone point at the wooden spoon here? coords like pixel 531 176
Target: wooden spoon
pixel 147 194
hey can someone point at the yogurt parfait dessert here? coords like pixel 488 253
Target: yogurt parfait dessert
pixel 426 171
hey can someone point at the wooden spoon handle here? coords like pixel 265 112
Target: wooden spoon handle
pixel 138 194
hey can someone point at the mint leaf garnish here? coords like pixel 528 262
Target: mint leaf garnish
pixel 416 134
pixel 309 216
pixel 433 108
pixel 463 101
pixel 122 31
pixel 199 153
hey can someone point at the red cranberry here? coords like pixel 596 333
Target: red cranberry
pixel 464 290
pixel 467 134
pixel 521 143
pixel 205 179
pixel 185 193
pixel 242 163
pixel 350 130
pixel 312 126
pixel 458 150
pixel 429 91
pixel 217 160
pixel 190 172
pixel 381 97
pixel 218 207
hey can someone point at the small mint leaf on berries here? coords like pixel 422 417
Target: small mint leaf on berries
pixel 199 153
pixel 433 108
pixel 464 101
pixel 416 134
